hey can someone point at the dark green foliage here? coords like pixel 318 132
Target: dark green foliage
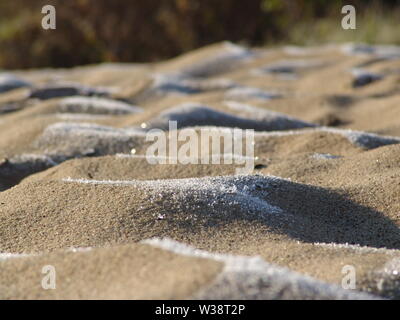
pixel 90 31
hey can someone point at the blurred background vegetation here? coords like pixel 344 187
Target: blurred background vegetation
pixel 91 31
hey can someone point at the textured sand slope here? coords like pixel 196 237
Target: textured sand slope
pixel 323 194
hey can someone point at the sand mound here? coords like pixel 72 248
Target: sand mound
pixel 150 270
pixel 10 82
pixel 208 61
pixel 248 93
pixel 192 114
pixel 381 51
pixel 180 207
pixel 128 166
pixel 66 140
pixel 94 105
pixel 70 139
pixel 321 195
pixel 292 66
pixel 15 169
pixel 252 278
pixel 360 139
pixel 164 84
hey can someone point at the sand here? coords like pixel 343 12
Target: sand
pixel 77 191
pixel 130 272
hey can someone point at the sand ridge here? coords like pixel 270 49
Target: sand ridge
pixel 323 193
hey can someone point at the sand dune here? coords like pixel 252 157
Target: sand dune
pixel 208 61
pixel 268 202
pixel 131 272
pixel 202 275
pixel 78 190
pixel 10 82
pixel 92 105
pixel 192 114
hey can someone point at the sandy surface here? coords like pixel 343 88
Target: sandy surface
pixel 323 194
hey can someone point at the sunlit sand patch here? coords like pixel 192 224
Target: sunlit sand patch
pixel 357 248
pixel 288 67
pixel 387 52
pixel 242 190
pixel 81 116
pixel 4 256
pixel 167 84
pixel 71 139
pixel 325 156
pixel 210 61
pixel 261 279
pixel 361 139
pixel 384 281
pixel 338 204
pixel 249 93
pixel 95 105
